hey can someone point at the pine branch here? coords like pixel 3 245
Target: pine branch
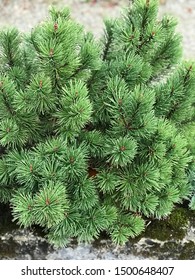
pixel 187 76
pixel 108 39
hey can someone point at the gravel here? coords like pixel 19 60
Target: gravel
pixel 25 14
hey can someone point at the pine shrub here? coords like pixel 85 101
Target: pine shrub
pixel 91 133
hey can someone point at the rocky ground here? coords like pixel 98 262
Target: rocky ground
pixel 28 245
pixel 173 239
pixel 24 14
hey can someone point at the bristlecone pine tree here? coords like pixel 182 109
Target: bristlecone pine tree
pixel 91 133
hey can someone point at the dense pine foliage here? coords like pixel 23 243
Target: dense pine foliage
pixel 92 133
